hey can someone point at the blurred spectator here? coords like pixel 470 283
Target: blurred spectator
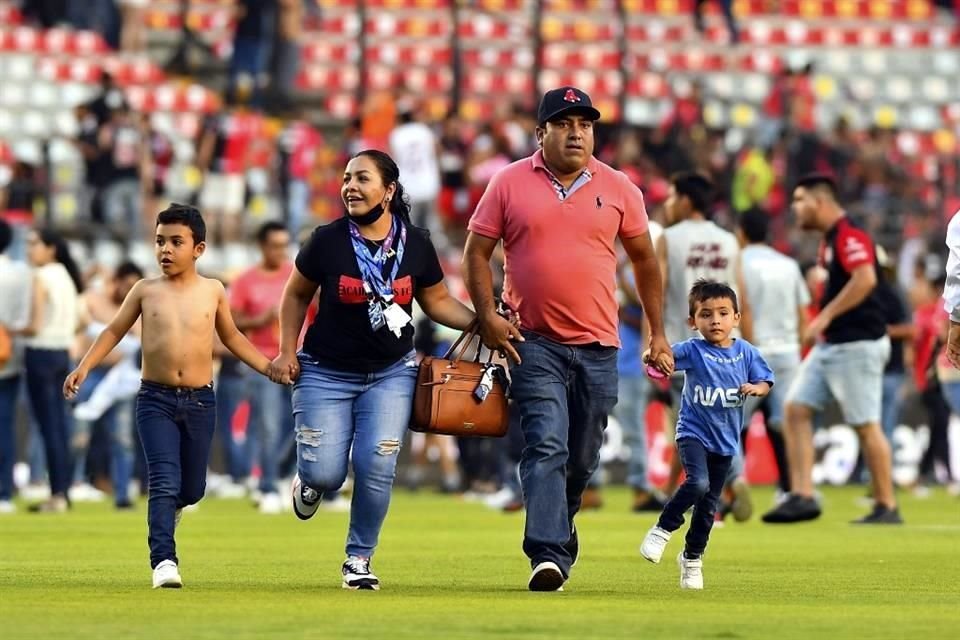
pixel 286 51
pixel 252 39
pixel 133 31
pixel 298 144
pixel 54 318
pixel 255 303
pixel 727 7
pixel 17 202
pixel 14 315
pixel 454 202
pixel 121 140
pixel 414 147
pixel 157 170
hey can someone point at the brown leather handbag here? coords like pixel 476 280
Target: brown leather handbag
pixel 447 400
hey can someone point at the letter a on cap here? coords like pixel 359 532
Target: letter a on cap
pixel 571 96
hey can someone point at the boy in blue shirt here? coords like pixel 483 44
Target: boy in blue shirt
pixel 720 372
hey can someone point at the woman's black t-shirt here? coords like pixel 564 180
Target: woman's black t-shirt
pixel 341 336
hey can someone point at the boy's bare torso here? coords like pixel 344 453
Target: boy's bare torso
pixel 178 325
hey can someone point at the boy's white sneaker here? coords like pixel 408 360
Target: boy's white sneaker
pixel 271 503
pixel 691 572
pixel 166 575
pixel 654 543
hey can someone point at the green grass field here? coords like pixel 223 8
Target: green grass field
pixel 452 569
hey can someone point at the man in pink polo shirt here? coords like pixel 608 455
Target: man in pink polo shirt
pixel 559 214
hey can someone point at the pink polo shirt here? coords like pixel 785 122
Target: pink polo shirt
pixel 561 259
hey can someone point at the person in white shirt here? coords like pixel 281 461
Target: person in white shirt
pixel 779 298
pixel 54 320
pixel 951 290
pixel 414 148
pixel 14 314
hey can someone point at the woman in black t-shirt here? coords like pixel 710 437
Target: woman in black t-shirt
pixel 356 373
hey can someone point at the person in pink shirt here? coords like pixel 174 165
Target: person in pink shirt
pixel 254 301
pixel 559 214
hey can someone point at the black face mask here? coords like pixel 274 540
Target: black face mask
pixel 369 217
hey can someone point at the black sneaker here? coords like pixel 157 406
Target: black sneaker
pixel 306 501
pixel 880 515
pixel 651 504
pixel 794 509
pixel 573 545
pixel 357 575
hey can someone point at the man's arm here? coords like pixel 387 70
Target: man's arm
pixel 496 331
pixel 648 272
pixel 863 279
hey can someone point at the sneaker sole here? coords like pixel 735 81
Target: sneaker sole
pixel 170 584
pixel 650 559
pixel 363 586
pixel 548 579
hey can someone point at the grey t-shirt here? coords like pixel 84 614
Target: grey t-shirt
pixel 775 288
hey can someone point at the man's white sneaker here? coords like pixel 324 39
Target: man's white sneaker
pixel 357 575
pixel 7 507
pixel 654 543
pixel 691 572
pixel 306 501
pixel 546 576
pixel 167 576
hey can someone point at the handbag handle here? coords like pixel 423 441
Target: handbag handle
pixel 463 341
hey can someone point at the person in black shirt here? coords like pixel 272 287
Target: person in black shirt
pixel 356 373
pixel 846 364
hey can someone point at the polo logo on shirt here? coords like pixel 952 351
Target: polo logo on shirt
pixel 571 96
pixel 599 203
pixel 708 396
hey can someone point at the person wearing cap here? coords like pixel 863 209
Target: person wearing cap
pixel 559 214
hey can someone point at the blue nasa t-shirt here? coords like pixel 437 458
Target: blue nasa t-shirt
pixel 712 409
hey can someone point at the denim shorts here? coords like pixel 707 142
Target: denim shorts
pixel 851 373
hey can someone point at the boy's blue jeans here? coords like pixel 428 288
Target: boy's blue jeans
pixel 706 473
pixel 176 427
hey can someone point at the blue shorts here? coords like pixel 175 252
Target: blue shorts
pixel 851 373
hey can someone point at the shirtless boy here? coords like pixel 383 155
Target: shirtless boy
pixel 176 411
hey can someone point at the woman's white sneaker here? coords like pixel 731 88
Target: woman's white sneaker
pixel 691 572
pixel 654 543
pixel 166 575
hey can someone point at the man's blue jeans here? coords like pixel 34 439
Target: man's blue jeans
pixel 339 412
pixel 176 427
pixel 706 473
pixel 8 440
pixel 270 405
pixel 564 394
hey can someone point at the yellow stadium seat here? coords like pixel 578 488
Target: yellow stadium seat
pixel 585 31
pixel 885 117
pixel 810 8
pixel 668 7
pixel 847 8
pixel 743 115
pixel 825 87
pixel 945 141
pixel 880 9
pixel 918 9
